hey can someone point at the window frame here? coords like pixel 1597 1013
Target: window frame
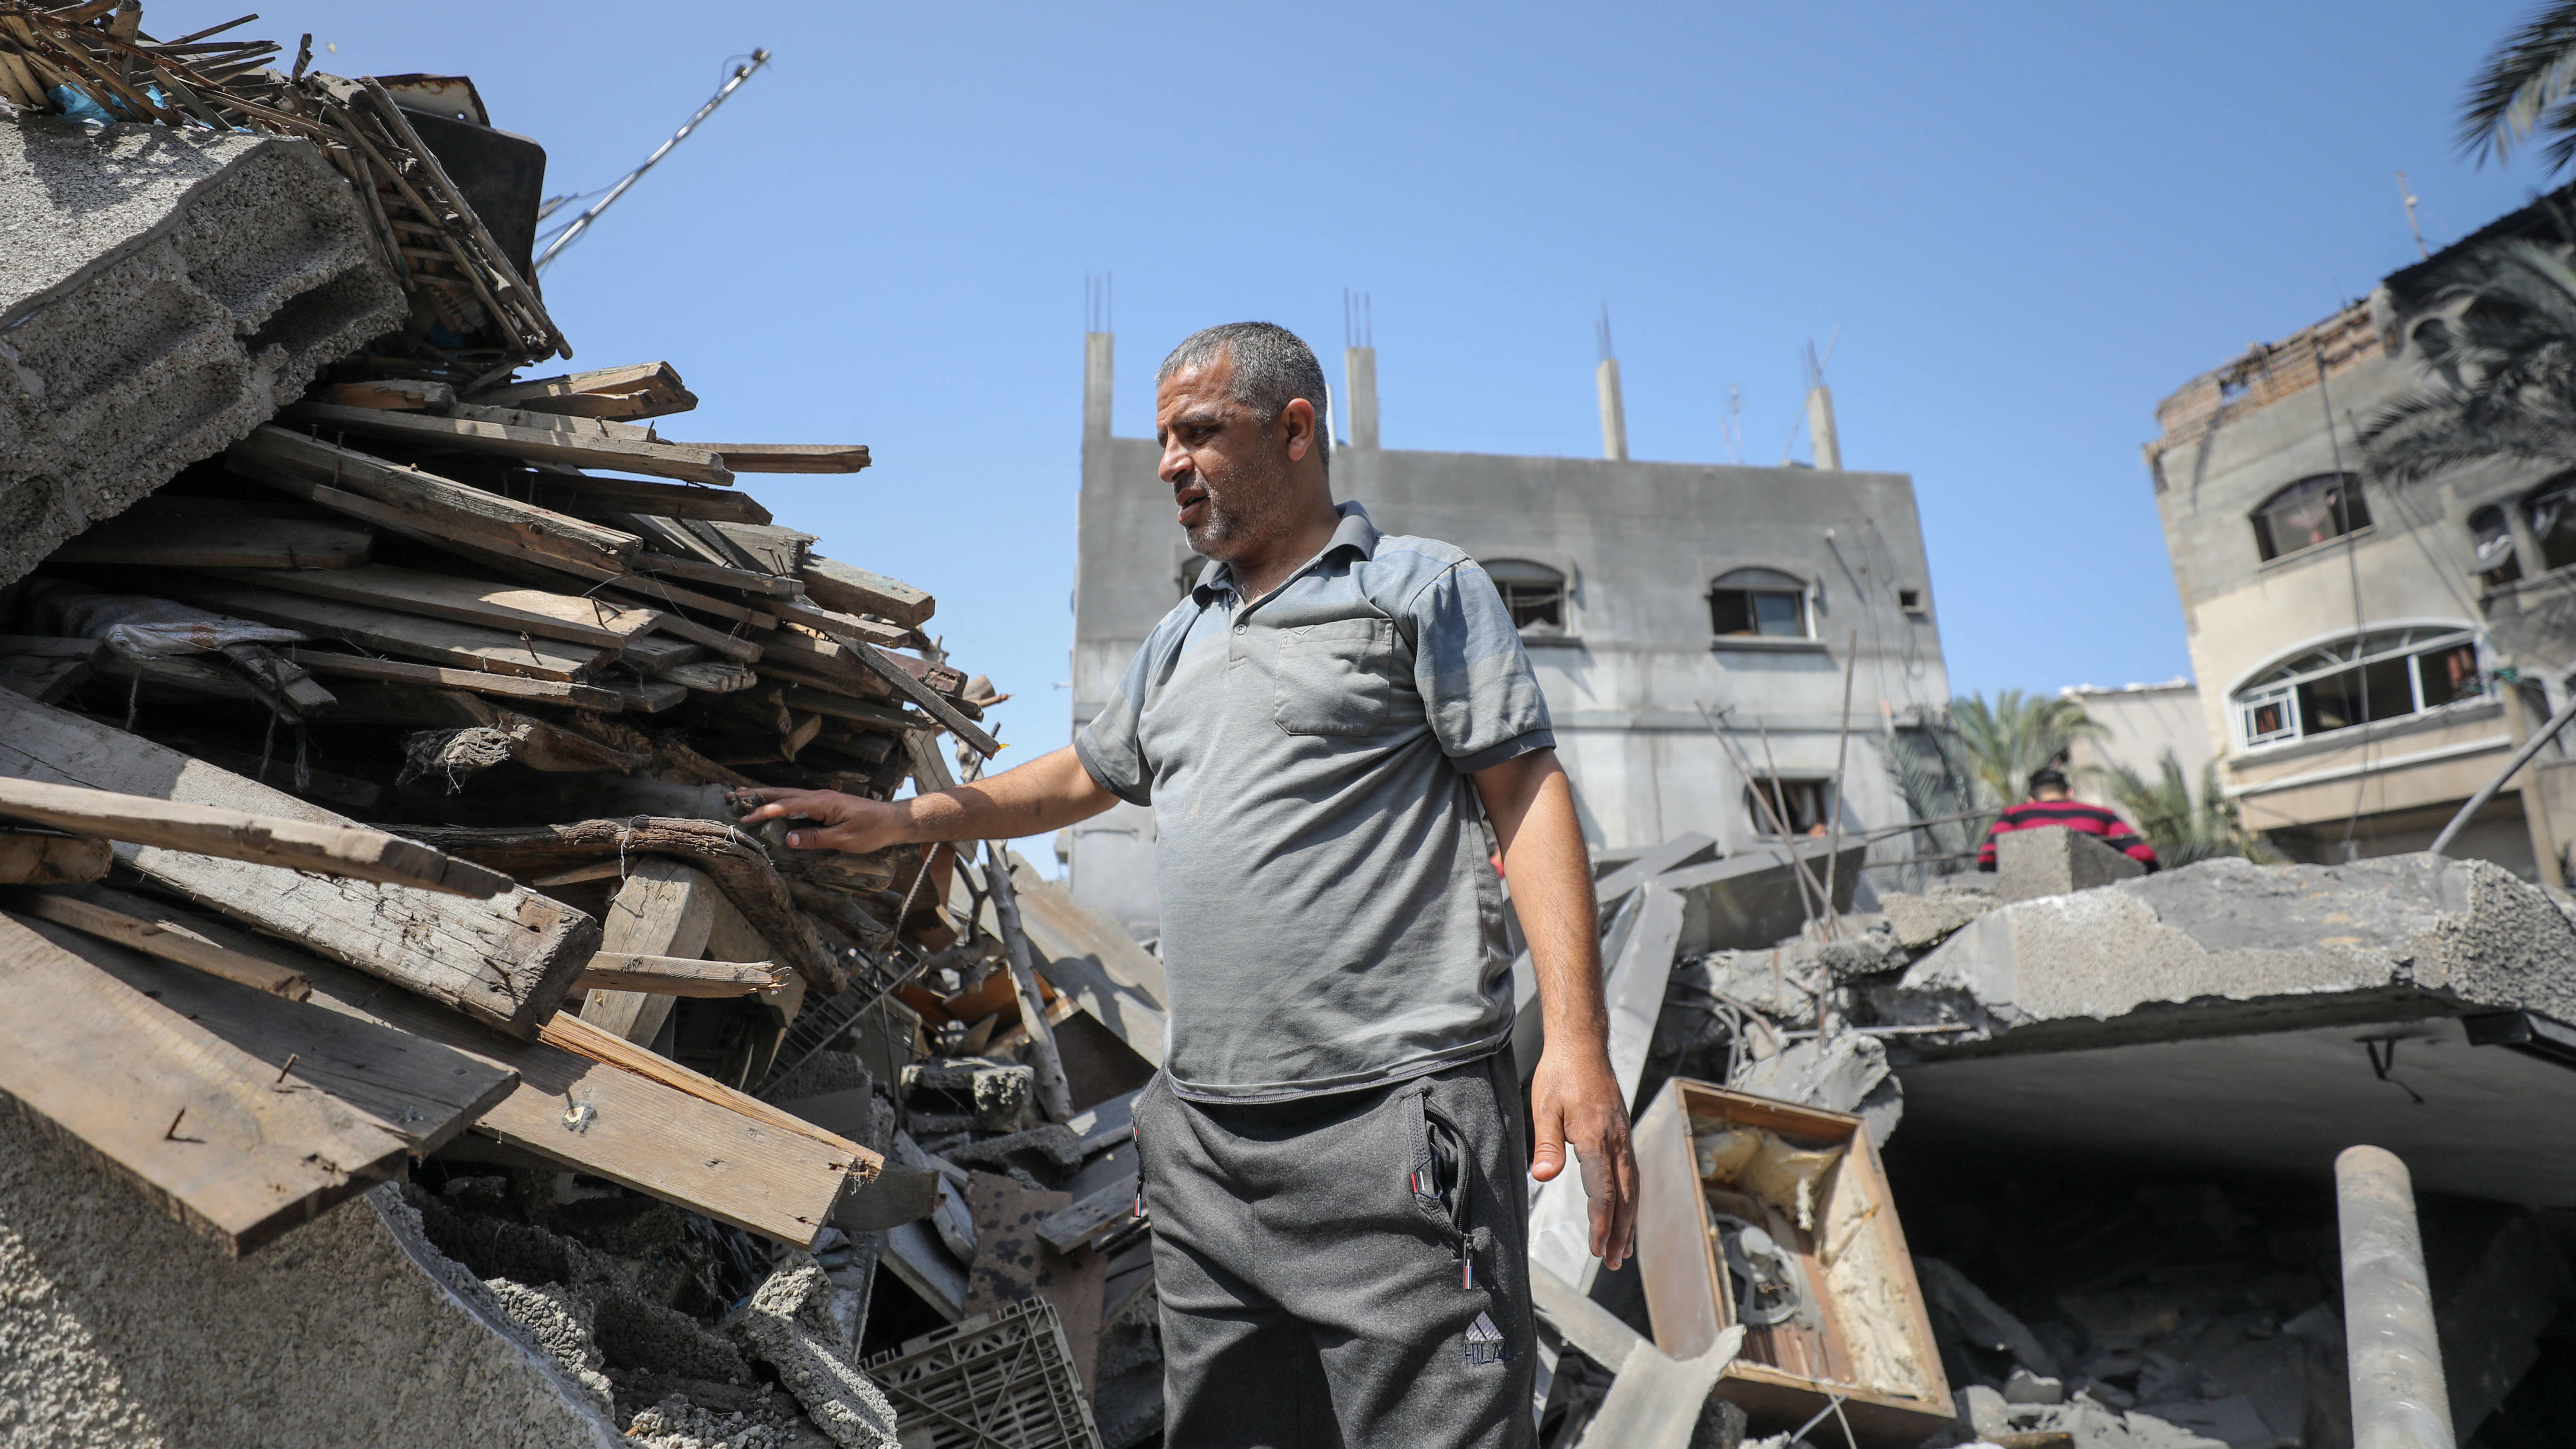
pixel 2352 510
pixel 1828 801
pixel 1755 582
pixel 1510 575
pixel 2279 686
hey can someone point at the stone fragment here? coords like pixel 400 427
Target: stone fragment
pixel 2054 861
pixel 2025 1387
pixel 789 1323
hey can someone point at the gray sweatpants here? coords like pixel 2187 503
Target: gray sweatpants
pixel 1343 1272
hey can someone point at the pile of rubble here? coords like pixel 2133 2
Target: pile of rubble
pixel 548 1104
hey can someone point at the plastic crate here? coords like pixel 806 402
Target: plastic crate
pixel 1003 1378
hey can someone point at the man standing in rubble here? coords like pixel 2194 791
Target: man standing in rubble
pixel 2050 803
pixel 1332 1154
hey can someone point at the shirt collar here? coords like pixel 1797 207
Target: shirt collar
pixel 1354 532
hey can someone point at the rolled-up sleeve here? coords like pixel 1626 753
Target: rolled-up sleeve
pixel 1477 687
pixel 1112 747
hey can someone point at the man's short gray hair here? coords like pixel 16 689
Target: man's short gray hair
pixel 1272 367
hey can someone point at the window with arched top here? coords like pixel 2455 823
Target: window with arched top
pixel 1533 593
pixel 2360 679
pixel 1760 602
pixel 2308 513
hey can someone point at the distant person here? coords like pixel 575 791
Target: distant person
pixel 2049 804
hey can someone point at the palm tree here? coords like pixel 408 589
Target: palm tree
pixel 2181 828
pixel 2525 88
pixel 2503 368
pixel 2012 737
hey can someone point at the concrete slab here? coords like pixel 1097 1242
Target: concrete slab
pixel 1753 899
pixel 162 292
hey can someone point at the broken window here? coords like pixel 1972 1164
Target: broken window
pixel 1805 804
pixel 1762 602
pixel 2385 674
pixel 2552 510
pixel 2308 513
pixel 2491 534
pixel 1533 593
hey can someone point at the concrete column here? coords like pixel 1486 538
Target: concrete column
pixel 1359 394
pixel 1098 353
pixel 1820 428
pixel 1614 417
pixel 2398 1398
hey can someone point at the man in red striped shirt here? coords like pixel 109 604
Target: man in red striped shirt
pixel 2048 805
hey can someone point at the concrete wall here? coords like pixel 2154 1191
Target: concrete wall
pixel 2413 565
pixel 1639 544
pixel 2145 721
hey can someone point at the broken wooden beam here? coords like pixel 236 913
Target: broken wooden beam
pixel 470 435
pixel 146 537
pixel 893 673
pixel 203 1127
pixel 157 930
pixel 646 561
pixel 837 585
pixel 787 457
pixel 736 862
pixel 675 976
pixel 575 491
pixel 420 1092
pixel 343 850
pixel 507 961
pixel 394 394
pixel 425 505
pixel 37 858
pixel 499 686
pixel 575 619
pixel 439 641
pixel 639 390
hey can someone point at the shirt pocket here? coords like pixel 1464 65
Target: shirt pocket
pixel 1335 679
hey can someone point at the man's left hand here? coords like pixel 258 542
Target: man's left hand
pixel 1574 1100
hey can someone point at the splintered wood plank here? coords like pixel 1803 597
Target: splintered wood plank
pixel 152 538
pixel 841 706
pixel 204 1128
pixel 442 641
pixel 338 849
pixel 413 1088
pixel 664 908
pixel 832 620
pixel 890 668
pixel 507 961
pixel 638 390
pixel 433 676
pixel 675 976
pixel 423 504
pixel 30 858
pixel 664 594
pixel 577 491
pixel 598 623
pixel 836 585
pixel 788 457
pixel 45 677
pixel 154 929
pixel 633 1130
pixel 552 445
pixel 648 562
pixel 395 394
pixel 795 655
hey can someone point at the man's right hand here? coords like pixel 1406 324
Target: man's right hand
pixel 852 823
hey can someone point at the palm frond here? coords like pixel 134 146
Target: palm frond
pixel 2503 363
pixel 2182 828
pixel 2522 87
pixel 2006 740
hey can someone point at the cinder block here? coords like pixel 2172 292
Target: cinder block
pixel 2052 860
pixel 162 292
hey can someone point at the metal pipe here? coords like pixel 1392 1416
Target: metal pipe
pixel 581 223
pixel 2566 715
pixel 2394 1356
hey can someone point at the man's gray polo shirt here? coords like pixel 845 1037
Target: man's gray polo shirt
pixel 1331 919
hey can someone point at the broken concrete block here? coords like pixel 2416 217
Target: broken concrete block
pixel 998 1097
pixel 2025 1387
pixel 1922 922
pixel 162 292
pixel 1846 1073
pixel 1046 1151
pixel 1983 1411
pixel 1754 899
pixel 790 1325
pixel 2053 861
pixel 123 1327
pixel 560 1322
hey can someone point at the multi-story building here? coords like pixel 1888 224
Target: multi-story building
pixel 1660 602
pixel 2369 655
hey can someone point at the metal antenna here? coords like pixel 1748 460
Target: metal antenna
pixel 2408 193
pixel 581 223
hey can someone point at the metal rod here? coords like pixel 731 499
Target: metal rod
pixel 581 223
pixel 1825 907
pixel 1798 864
pixel 2521 757
pixel 2395 1357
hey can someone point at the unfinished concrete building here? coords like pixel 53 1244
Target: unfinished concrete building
pixel 1653 598
pixel 2368 655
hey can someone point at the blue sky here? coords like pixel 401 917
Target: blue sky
pixel 2030 222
